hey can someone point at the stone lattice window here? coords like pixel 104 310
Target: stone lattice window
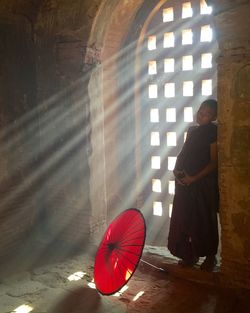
pixel 179 55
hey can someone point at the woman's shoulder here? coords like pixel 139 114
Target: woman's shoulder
pixel 208 131
pixel 192 128
pixel 211 132
pixel 213 125
pixel 210 127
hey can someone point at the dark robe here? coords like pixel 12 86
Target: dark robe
pixel 194 226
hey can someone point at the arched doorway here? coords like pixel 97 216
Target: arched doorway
pixel 174 72
pixel 148 127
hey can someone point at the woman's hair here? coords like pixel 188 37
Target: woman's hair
pixel 212 104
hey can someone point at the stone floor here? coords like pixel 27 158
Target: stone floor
pixel 163 287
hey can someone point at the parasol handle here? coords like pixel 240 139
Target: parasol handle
pixel 158 268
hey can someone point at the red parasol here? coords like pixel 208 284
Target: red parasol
pixel 119 252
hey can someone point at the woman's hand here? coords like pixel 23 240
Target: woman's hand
pixel 178 175
pixel 211 166
pixel 187 180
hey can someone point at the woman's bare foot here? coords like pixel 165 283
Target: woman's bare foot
pixel 188 263
pixel 209 264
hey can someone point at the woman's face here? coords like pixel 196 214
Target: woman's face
pixel 205 115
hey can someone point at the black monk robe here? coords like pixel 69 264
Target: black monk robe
pixel 194 226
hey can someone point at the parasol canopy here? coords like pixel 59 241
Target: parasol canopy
pixel 119 251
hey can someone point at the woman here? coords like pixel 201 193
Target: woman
pixel 194 227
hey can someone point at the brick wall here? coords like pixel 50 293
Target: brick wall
pixel 234 141
pixel 61 151
pixel 18 120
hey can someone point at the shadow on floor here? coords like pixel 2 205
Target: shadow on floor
pixel 79 301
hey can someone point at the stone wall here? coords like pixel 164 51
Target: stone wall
pixel 60 131
pixel 45 121
pixel 234 140
pixel 64 66
pixel 18 129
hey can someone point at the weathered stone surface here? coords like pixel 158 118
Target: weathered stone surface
pixel 9 304
pixel 233 28
pixel 59 141
pixel 242 83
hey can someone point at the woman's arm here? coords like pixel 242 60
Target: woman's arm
pixel 211 166
pixel 178 175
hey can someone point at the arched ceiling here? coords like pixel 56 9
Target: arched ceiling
pixel 81 18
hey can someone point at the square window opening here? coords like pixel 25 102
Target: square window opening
pixel 151 42
pixel 170 208
pixel 206 33
pixel 187 36
pixel 154 115
pixel 171 163
pixel 206 89
pixel 188 115
pixel 171 187
pixel 169 65
pixel 171 115
pixel 157 208
pixel 156 162
pixel 204 8
pixel 156 185
pixel 206 60
pixel 155 139
pixel 171 139
pixel 169 90
pixel 187 63
pixel 188 89
pixel 187 10
pixel 168 15
pixel 152 67
pixel 153 91
pixel 168 40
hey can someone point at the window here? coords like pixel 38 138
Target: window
pixel 156 162
pixel 188 114
pixel 170 208
pixel 187 36
pixel 206 33
pixel 171 187
pixel 157 208
pixel 156 185
pixel 169 90
pixel 187 62
pixel 152 91
pixel 206 60
pixel 154 115
pixel 171 163
pixel 169 65
pixel 152 69
pixel 168 15
pixel 204 8
pixel 188 89
pixel 151 42
pixel 171 139
pixel 155 139
pixel 180 74
pixel 171 115
pixel 187 10
pixel 168 40
pixel 206 87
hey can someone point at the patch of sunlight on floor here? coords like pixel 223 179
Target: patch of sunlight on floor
pixel 25 308
pixel 76 276
pixel 139 294
pixel 119 293
pixel 92 284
